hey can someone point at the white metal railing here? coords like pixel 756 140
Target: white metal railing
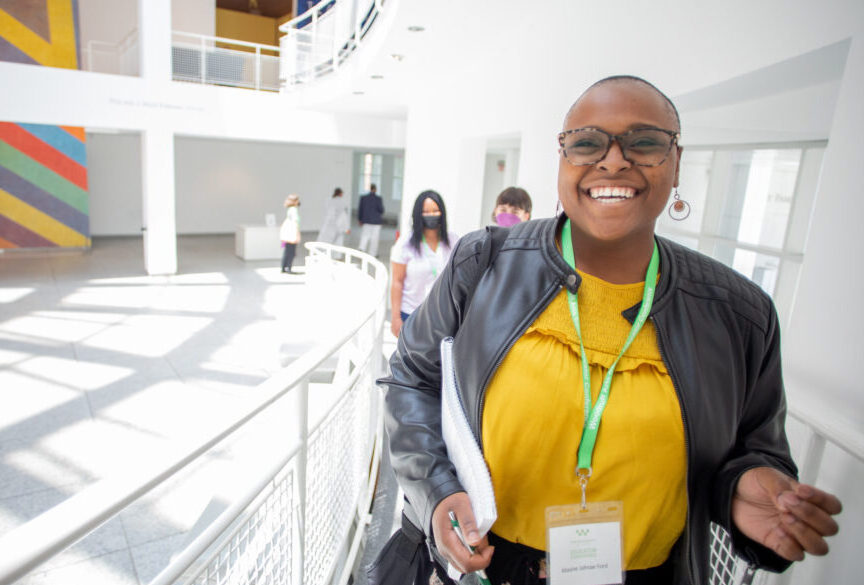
pixel 302 520
pixel 221 61
pixel 823 427
pixel 120 58
pixel 318 41
pixel 726 567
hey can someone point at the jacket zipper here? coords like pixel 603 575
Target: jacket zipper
pixel 686 423
pixel 544 302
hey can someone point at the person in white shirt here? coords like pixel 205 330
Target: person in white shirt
pixel 336 220
pixel 419 257
pixel 289 232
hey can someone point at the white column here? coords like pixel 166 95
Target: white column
pixel 154 39
pixel 157 176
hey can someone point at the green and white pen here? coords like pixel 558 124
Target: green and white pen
pixel 455 524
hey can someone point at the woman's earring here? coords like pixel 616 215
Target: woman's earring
pixel 680 209
pixel 557 208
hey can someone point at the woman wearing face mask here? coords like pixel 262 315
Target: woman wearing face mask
pixel 418 257
pixel 512 206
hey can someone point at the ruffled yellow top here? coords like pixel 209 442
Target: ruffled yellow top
pixel 533 417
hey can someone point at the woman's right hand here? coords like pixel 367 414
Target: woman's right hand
pixel 449 545
pixel 396 325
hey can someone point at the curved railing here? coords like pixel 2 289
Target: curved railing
pixel 821 429
pixel 301 520
pixel 318 41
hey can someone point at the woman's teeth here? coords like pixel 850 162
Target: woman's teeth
pixel 612 193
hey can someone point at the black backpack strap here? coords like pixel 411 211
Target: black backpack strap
pixel 493 245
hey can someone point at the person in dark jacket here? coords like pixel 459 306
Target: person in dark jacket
pixel 599 363
pixel 370 214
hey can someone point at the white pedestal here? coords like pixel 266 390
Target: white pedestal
pixel 257 242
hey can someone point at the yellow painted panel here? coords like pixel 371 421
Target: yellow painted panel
pixel 41 223
pixel 61 51
pixel 62 25
pixel 251 28
pixel 25 39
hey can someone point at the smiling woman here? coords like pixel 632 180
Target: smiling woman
pixel 610 375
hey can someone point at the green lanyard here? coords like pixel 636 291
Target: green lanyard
pixel 595 413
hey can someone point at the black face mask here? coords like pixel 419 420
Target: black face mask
pixel 431 222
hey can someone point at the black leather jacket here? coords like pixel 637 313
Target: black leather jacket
pixel 718 336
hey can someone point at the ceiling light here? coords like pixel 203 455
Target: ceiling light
pixel 358 92
pixel 416 28
pixel 397 57
pixel 376 77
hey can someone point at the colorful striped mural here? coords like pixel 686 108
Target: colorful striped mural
pixel 43 169
pixel 43 186
pixel 40 32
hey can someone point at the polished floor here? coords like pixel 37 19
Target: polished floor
pixel 103 367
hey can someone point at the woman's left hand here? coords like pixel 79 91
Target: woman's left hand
pixel 788 517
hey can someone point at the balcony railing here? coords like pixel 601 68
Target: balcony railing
pixel 318 41
pixel 301 520
pixel 221 61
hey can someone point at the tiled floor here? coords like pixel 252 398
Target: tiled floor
pixel 102 367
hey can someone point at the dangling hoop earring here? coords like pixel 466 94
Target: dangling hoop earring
pixel 680 209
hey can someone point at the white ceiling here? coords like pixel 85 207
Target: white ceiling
pixel 510 42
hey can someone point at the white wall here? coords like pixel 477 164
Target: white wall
pixel 219 183
pixel 193 16
pixel 111 20
pixel 106 20
pixel 114 181
pixel 223 183
pixel 824 340
pixel 493 184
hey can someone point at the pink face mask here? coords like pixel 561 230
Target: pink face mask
pixel 507 219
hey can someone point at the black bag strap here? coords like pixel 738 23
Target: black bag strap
pixel 497 235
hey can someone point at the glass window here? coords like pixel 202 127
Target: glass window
pixel 396 193
pixel 749 210
pixel 370 171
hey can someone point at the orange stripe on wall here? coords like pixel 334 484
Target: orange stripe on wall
pixel 76 131
pixel 6 244
pixel 44 154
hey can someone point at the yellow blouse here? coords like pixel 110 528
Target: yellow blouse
pixel 533 417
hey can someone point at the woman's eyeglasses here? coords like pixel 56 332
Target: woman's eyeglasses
pixel 646 147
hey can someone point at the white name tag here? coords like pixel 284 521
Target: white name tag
pixel 584 546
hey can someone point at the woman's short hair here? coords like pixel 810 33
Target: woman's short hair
pixel 417 219
pixel 515 196
pixel 337 192
pixel 630 79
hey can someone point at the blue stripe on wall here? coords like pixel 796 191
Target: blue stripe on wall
pixel 61 140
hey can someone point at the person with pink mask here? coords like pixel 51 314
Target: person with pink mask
pixel 512 206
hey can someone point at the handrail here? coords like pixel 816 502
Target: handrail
pixel 312 13
pixel 216 60
pixel 846 437
pixel 227 41
pixel 34 543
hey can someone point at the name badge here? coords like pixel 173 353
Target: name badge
pixel 583 545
